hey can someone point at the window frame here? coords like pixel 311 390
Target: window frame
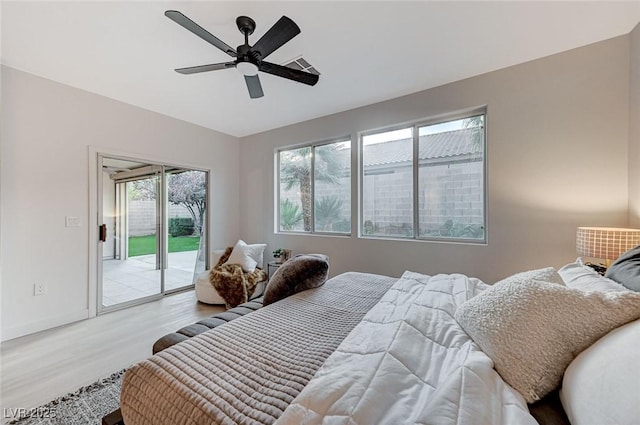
pixel 313 146
pixel 415 126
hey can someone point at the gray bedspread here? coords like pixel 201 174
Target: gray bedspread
pixel 249 370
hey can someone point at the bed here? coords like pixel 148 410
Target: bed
pixel 371 349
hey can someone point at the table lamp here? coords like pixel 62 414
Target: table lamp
pixel 607 243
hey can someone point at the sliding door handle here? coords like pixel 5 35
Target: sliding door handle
pixel 102 232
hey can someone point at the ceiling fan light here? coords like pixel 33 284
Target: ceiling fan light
pixel 247 68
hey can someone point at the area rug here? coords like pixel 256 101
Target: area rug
pixel 85 406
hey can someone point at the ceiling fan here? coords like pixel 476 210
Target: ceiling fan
pixel 248 59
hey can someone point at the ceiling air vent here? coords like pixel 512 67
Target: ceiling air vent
pixel 302 65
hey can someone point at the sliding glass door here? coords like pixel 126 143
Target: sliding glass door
pixel 152 221
pixel 186 195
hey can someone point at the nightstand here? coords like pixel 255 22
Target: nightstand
pixel 272 265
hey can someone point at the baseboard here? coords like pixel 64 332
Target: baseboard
pixel 43 324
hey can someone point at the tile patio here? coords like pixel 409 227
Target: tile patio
pixel 137 277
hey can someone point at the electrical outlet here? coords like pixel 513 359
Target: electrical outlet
pixel 40 288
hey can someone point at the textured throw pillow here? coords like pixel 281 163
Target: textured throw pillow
pixel 532 329
pixel 626 269
pixel 247 256
pixel 297 274
pixel 547 274
pixel 578 276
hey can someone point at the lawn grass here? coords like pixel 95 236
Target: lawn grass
pixel 143 245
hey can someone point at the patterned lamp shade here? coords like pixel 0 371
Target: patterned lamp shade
pixel 606 242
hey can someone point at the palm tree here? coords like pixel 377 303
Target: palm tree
pixel 290 214
pixel 476 125
pixel 328 209
pixel 295 171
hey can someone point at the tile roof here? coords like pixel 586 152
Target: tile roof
pixel 449 144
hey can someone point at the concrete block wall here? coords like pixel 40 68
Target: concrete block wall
pixel 447 192
pixel 142 216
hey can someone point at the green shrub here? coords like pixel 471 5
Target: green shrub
pixel 181 226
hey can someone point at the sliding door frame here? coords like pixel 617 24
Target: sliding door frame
pixel 96 156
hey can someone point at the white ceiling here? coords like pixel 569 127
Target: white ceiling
pixel 366 51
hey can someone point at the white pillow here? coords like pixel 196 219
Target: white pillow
pixel 247 256
pixel 601 386
pixel 257 253
pixel 578 276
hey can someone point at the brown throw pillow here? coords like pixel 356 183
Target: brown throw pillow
pixel 297 274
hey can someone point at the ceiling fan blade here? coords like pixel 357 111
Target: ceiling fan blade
pixel 205 68
pixel 290 73
pixel 281 32
pixel 187 23
pixel 254 86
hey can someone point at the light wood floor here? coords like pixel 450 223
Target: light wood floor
pixel 38 368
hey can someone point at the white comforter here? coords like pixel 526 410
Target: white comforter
pixel 409 362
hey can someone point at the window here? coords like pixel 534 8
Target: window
pixel 425 181
pixel 387 185
pixel 314 191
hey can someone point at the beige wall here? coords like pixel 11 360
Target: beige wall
pixel 634 130
pixel 557 158
pixel 46 133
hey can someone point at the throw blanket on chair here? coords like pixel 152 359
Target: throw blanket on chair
pixel 232 283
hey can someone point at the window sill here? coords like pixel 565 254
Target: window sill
pixel 471 242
